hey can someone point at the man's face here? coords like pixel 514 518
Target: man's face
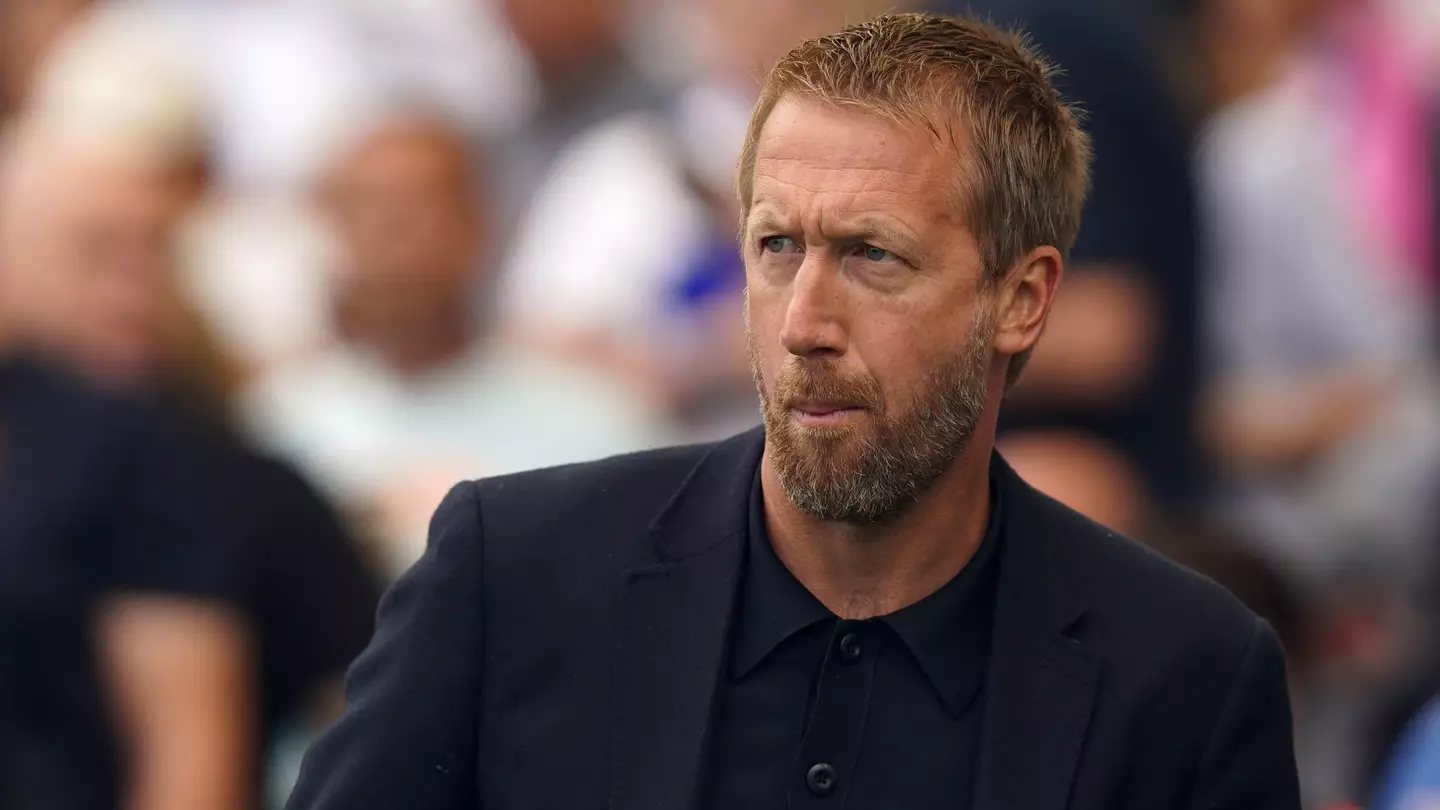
pixel 93 252
pixel 870 335
pixel 407 219
pixel 563 36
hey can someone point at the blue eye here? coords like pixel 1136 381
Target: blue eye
pixel 876 254
pixel 776 244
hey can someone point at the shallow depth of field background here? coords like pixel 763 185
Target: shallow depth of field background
pixel 400 243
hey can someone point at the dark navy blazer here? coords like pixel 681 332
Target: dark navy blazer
pixel 560 643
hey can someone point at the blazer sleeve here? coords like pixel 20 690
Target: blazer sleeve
pixel 409 732
pixel 1249 761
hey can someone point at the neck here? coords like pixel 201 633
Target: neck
pixel 407 344
pixel 568 80
pixel 862 571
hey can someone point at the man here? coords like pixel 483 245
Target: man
pixel 93 285
pixel 583 68
pixel 861 606
pixel 415 393
pixel 124 660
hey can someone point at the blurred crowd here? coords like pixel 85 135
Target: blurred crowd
pixel 275 274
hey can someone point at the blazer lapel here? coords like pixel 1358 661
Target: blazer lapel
pixel 1042 683
pixel 674 627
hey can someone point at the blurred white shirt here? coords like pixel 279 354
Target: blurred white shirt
pixel 379 441
pixel 619 197
pixel 605 236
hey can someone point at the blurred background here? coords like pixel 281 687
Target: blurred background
pixel 274 274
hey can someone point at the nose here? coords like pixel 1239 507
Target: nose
pixel 814 324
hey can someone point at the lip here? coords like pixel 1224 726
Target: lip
pixel 823 414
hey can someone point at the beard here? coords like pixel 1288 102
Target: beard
pixel 871 471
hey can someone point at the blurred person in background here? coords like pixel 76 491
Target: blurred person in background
pixel 278 80
pixel 28 31
pixel 96 287
pixel 100 300
pixel 1084 472
pixel 1321 279
pixel 1319 204
pixel 585 70
pixel 660 312
pixel 1105 415
pixel 125 655
pixel 417 390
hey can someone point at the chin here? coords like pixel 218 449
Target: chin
pixel 823 434
pixel 837 446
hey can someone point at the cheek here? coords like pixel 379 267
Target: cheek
pixel 764 318
pixel 896 362
pixel 901 346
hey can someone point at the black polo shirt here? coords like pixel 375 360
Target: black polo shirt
pixel 816 711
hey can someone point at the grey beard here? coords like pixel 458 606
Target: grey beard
pixel 875 472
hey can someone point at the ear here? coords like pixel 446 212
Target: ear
pixel 1024 300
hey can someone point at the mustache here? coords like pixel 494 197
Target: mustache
pixel 802 380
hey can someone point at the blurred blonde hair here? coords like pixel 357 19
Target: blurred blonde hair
pixel 122 80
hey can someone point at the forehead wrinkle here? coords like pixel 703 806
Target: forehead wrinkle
pixel 886 188
pixel 867 191
pixel 873 209
pixel 836 184
pixel 865 174
pixel 910 153
pixel 926 163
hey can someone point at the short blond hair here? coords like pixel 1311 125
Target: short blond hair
pixel 1027 167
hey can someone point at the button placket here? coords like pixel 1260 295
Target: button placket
pixel 836 726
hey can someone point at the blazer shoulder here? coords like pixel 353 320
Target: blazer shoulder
pixel 1136 591
pixel 560 507
pixel 575 486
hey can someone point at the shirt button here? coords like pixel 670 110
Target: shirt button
pixel 821 779
pixel 850 648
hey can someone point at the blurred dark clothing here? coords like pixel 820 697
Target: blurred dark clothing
pixel 103 495
pixel 303 585
pixel 1140 218
pixel 891 706
pixel 314 598
pixel 307 590
pixel 98 498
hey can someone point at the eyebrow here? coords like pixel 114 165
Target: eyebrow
pixel 865 228
pixel 762 219
pixel 871 228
